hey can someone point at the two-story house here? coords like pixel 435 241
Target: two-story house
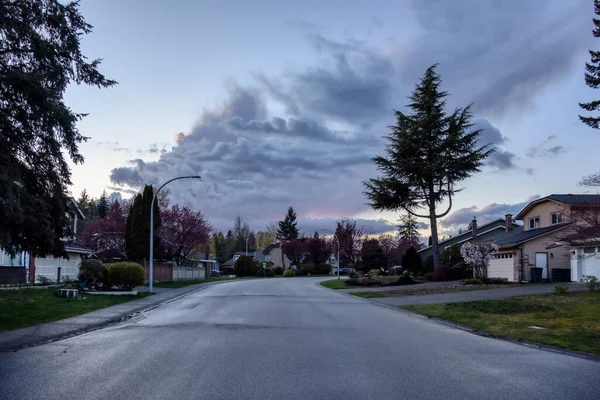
pixel 538 242
pixel 26 269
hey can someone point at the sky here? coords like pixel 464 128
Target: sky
pixel 279 104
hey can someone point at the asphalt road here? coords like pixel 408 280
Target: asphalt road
pixel 289 339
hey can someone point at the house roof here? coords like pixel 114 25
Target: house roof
pixel 270 247
pixel 496 224
pixel 74 247
pixel 571 199
pixel 81 214
pixel 520 235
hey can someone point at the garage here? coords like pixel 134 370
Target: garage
pixel 501 266
pixel 585 261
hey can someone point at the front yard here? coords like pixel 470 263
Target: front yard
pixel 339 283
pixel 41 306
pixel 421 291
pixel 570 321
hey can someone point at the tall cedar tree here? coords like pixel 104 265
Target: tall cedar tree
pixel 219 244
pixel 373 256
pixel 408 228
pixel 288 229
pixel 137 233
pixel 102 205
pixel 39 58
pixel 428 153
pixel 592 75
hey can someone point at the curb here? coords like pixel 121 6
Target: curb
pixel 520 342
pixel 111 321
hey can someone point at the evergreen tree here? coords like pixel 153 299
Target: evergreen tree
pixel 408 228
pixel 40 57
pixel 84 202
pixel 316 235
pixel 592 75
pixel 252 241
pixel 137 230
pixel 288 229
pixel 229 246
pixel 412 261
pixel 428 154
pixel 102 205
pixel 220 250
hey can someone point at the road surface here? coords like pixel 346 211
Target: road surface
pixel 289 339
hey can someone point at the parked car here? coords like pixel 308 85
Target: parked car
pixel 215 274
pixel 346 271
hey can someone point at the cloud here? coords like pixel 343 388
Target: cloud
pixel 491 136
pixel 545 149
pixel 500 58
pixel 485 214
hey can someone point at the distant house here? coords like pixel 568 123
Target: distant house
pixel 484 232
pixel 273 253
pixel 24 269
pixel 254 254
pixel 538 242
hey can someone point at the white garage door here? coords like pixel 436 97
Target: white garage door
pixel 501 266
pixel 590 267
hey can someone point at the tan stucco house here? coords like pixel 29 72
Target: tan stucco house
pixel 538 242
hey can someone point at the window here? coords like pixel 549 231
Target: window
pixel 589 250
pixel 268 257
pixel 534 222
pixel 557 218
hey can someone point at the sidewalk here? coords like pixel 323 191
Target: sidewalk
pixel 486 294
pixel 34 335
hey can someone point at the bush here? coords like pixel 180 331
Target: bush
pixel 374 273
pixel 44 280
pixel 427 266
pixel 278 271
pixel 308 268
pixel 244 266
pixel 352 275
pixel 560 289
pixel 494 281
pixel 591 282
pixel 323 269
pixel 444 273
pixel 126 275
pixel 266 273
pixel 472 281
pixel 287 273
pixel 362 282
pixel 93 272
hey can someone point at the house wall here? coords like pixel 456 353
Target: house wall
pixel 275 257
pixel 558 257
pixel 544 211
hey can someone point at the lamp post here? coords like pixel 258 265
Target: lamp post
pixel 338 250
pixel 151 272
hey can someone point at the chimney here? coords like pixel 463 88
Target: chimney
pixel 474 228
pixel 508 222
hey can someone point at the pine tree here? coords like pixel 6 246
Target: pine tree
pixel 84 202
pixel 137 231
pixel 288 229
pixel 219 244
pixel 40 57
pixel 592 75
pixel 428 153
pixel 316 235
pixel 408 228
pixel 102 205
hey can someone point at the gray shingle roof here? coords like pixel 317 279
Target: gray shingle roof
pixel 576 198
pixel 520 235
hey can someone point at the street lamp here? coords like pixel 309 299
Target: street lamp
pixel 151 277
pixel 338 249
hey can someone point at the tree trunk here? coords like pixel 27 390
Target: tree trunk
pixel 434 238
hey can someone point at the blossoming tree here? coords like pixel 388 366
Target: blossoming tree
pixel 478 254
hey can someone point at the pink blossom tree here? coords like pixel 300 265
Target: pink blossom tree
pixel 478 254
pixel 182 230
pixel 106 236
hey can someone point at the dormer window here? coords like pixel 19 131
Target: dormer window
pixel 534 222
pixel 557 217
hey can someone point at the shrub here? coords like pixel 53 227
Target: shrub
pixel 362 282
pixel 444 273
pixel 427 266
pixel 374 273
pixel 266 273
pixel 352 275
pixel 278 271
pixel 126 275
pixel 93 272
pixel 244 266
pixel 591 282
pixel 323 269
pixel 308 268
pixel 287 273
pixel 44 280
pixel 471 281
pixel 560 289
pixel 494 281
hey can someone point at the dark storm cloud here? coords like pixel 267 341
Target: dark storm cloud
pixel 492 137
pixel 499 55
pixel 488 213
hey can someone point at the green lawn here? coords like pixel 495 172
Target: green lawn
pixel 42 306
pixel 415 290
pixel 335 284
pixel 571 321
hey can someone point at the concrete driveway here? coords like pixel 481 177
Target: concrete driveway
pixel 289 339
